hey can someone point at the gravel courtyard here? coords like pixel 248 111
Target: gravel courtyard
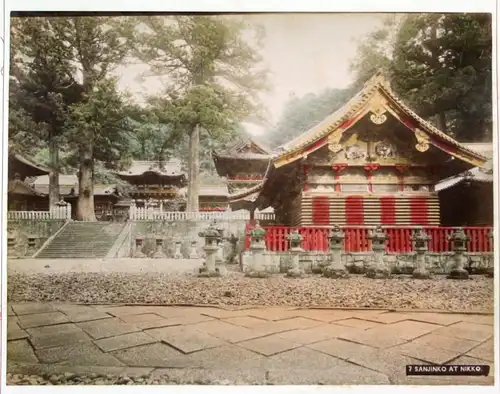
pixel 401 291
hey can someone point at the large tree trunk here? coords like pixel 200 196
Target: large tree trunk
pixel 194 171
pixel 54 171
pixel 85 210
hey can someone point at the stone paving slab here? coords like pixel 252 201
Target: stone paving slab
pixel 145 317
pixel 340 348
pixel 378 337
pixel 446 343
pixel 124 341
pixel 227 357
pixel 57 335
pixel 42 319
pixel 84 353
pixel 185 338
pixel 84 316
pixel 358 323
pixel 315 334
pixel 443 319
pixel 426 353
pixel 407 329
pixel 484 351
pixel 466 330
pixel 10 311
pixel 239 334
pixel 32 308
pixel 303 358
pixel 16 334
pixel 21 350
pixel 247 345
pixel 107 328
pixel 157 355
pixel 269 345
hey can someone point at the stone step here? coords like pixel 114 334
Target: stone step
pixel 81 240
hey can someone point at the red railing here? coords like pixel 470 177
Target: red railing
pixel 356 240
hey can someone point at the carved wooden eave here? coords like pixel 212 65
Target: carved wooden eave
pixel 248 151
pixel 377 99
pixel 476 174
pixel 25 167
pixel 250 194
pixel 18 187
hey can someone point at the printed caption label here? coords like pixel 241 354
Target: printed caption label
pixel 447 370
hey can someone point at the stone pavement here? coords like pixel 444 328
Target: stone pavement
pixel 245 345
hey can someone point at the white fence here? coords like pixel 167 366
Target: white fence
pixel 151 214
pixel 62 212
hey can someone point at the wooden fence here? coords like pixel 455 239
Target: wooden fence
pixel 356 239
pixel 151 214
pixel 62 212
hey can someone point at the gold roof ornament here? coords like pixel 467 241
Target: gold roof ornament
pixel 376 97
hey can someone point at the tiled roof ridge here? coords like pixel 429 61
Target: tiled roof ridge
pixel 334 120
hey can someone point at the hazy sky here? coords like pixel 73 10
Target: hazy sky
pixel 305 53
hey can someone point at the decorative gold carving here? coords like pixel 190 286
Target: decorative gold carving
pixel 355 152
pixel 385 150
pixel 422 140
pixel 378 109
pixel 333 141
pixel 378 118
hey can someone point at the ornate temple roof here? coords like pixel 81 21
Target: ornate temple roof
pixel 476 174
pixel 375 91
pixel 67 183
pixel 247 149
pixel 359 106
pixel 172 168
pixel 25 167
pixel 19 187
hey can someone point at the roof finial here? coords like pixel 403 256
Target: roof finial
pixel 379 78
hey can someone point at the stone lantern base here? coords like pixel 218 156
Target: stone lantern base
pixel 295 273
pixel 204 273
pixel 458 273
pixel 257 274
pixel 335 273
pixel 421 273
pixel 379 271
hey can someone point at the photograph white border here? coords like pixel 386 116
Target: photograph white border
pixel 245 6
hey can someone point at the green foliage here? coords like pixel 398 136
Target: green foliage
pixel 211 75
pixel 98 123
pixel 445 70
pixel 440 64
pixel 300 114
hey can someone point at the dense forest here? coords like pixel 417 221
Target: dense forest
pixel 67 112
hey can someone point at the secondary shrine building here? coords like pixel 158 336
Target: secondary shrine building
pixel 374 161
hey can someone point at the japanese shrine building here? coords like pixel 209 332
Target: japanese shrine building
pixel 21 195
pixel 374 161
pixel 244 166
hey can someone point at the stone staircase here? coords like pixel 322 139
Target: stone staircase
pixel 82 240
